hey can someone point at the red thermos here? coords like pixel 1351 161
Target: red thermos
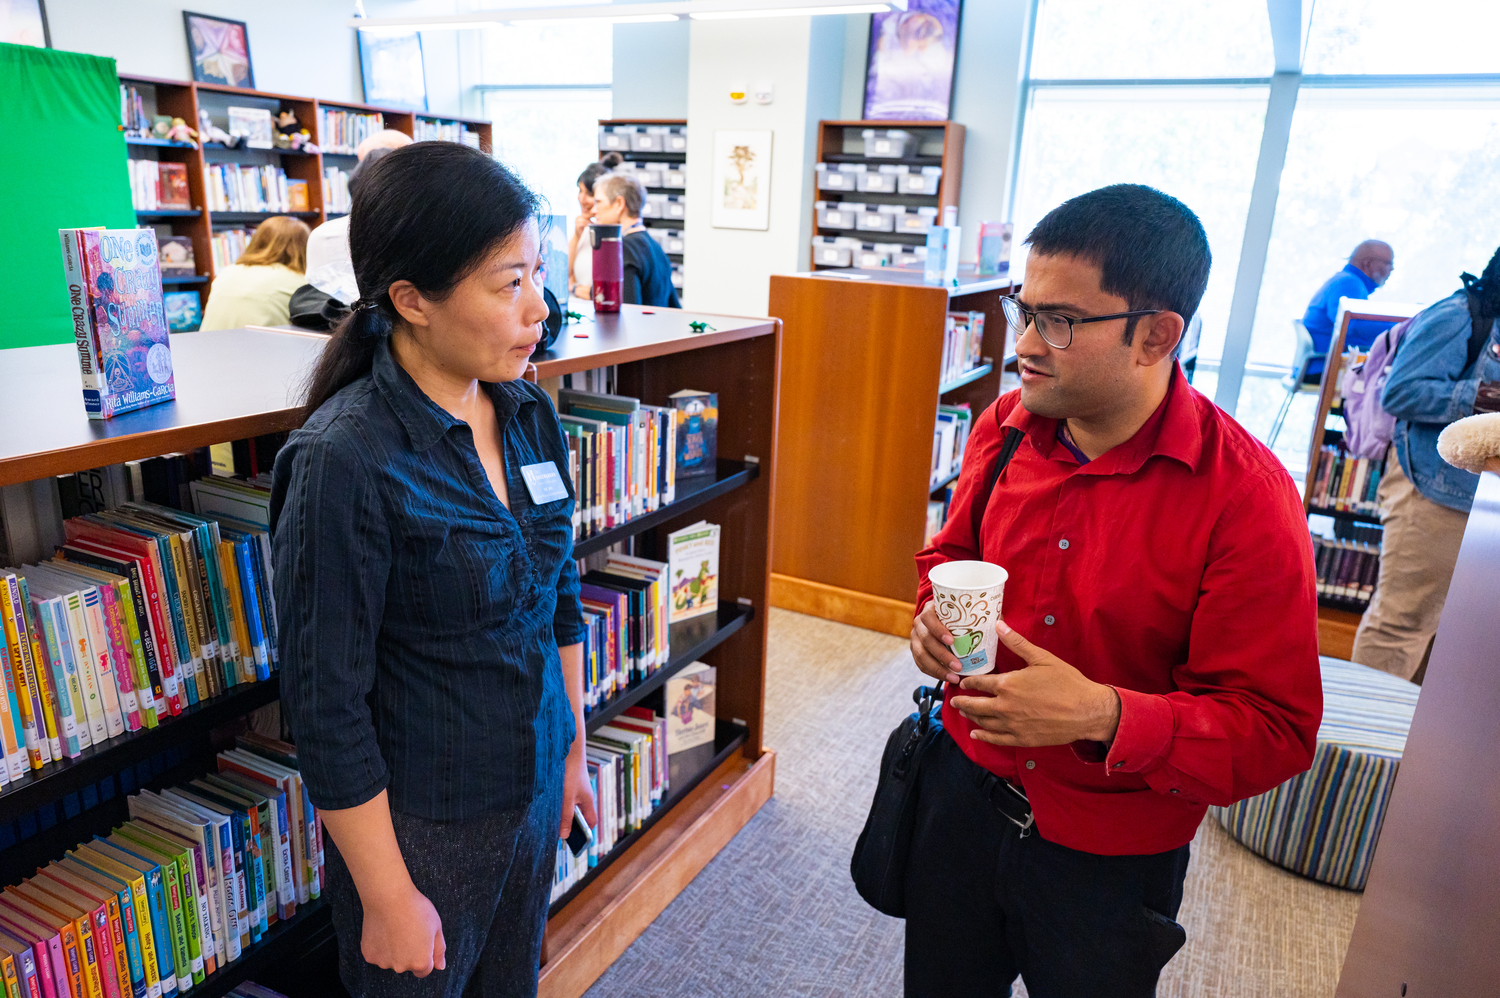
pixel 609 266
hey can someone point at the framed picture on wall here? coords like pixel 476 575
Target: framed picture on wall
pixel 24 22
pixel 219 49
pixel 909 75
pixel 391 64
pixel 741 192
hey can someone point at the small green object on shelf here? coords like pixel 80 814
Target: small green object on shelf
pixel 570 315
pixel 700 327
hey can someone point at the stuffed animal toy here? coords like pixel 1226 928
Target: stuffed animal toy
pixel 180 132
pixel 213 133
pixel 1472 443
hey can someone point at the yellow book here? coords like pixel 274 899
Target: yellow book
pixel 237 611
pixel 15 643
pixel 8 974
pixel 89 856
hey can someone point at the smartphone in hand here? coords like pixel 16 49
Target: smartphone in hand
pixel 580 835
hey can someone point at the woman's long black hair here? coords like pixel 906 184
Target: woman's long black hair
pixel 428 213
pixel 1485 288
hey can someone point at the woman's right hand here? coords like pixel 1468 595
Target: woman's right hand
pixel 404 933
pixel 580 222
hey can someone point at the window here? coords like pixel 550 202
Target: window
pixel 1144 39
pixel 548 52
pixel 1396 37
pixel 548 136
pixel 1198 144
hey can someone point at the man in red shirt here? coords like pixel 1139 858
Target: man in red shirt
pixel 1158 651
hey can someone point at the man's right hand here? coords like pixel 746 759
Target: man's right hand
pixel 404 933
pixel 931 647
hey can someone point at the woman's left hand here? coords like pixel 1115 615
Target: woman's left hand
pixel 576 791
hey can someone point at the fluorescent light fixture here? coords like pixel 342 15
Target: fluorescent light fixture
pixel 626 13
pixel 725 15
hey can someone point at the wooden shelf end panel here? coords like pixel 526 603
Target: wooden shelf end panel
pixel 846 606
pixel 1336 632
pixel 591 932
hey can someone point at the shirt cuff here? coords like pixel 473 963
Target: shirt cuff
pixel 1144 734
pixel 569 634
pixel 1462 402
pixel 349 798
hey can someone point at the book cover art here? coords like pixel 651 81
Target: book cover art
pixel 184 311
pixel 697 432
pixel 130 325
pixel 694 560
pixel 176 256
pixel 253 124
pixel 172 187
pixel 296 196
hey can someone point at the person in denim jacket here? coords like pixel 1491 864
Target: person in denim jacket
pixel 1424 501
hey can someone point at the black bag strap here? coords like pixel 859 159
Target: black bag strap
pixel 1013 437
pixel 1479 322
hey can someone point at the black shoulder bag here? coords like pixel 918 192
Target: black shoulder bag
pixel 879 862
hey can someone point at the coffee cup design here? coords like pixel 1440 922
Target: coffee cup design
pixel 966 597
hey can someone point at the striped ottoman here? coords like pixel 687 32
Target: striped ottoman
pixel 1324 823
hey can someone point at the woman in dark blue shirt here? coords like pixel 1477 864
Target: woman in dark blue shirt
pixel 432 665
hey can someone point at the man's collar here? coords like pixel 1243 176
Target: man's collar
pixel 1365 279
pixel 424 419
pixel 1173 431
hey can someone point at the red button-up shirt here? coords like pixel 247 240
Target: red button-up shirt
pixel 1177 568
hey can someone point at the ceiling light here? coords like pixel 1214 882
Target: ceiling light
pixel 724 15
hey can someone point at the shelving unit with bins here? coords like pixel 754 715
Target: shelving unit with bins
pixel 183 99
pixel 243 383
pixel 670 130
pixel 1338 619
pixel 863 355
pixel 938 144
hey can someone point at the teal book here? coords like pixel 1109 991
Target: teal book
pixel 156 903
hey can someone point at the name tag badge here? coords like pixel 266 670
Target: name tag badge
pixel 544 483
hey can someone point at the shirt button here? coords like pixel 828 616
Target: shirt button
pixel 1119 764
pixel 1031 764
pixel 1049 620
pixel 1176 791
pixel 1063 544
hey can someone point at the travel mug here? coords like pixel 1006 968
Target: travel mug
pixel 609 266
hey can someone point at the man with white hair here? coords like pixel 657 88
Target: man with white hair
pixel 328 267
pixel 1369 267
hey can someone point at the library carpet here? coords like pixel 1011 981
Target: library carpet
pixel 775 914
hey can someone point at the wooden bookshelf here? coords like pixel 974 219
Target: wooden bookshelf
pixel 939 143
pixel 657 160
pixel 184 99
pixel 859 397
pixel 1338 619
pixel 246 382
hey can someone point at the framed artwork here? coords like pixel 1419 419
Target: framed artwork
pixel 741 192
pixel 392 68
pixel 909 75
pixel 24 22
pixel 219 49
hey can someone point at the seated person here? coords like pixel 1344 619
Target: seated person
pixel 257 290
pixel 618 200
pixel 580 259
pixel 1368 268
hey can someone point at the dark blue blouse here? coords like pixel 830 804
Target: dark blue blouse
pixel 421 618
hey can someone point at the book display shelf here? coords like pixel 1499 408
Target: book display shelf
pixel 848 164
pixel 863 355
pixel 655 150
pixel 1338 617
pixel 243 383
pixel 184 100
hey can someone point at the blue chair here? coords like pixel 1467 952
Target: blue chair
pixel 1296 383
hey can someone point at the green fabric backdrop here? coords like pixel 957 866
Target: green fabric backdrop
pixel 62 165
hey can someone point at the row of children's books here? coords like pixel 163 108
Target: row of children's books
pixel 226 246
pixel 628 773
pixel 158 186
pixel 231 187
pixel 198 873
pixel 143 612
pixel 1345 482
pixel 425 130
pixel 620 457
pixel 1347 570
pixel 336 196
pixel 343 131
pixel 937 513
pixel 963 344
pixel 950 435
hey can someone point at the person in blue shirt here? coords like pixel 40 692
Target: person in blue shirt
pixel 1369 267
pixel 1424 501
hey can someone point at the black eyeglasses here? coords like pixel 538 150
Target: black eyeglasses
pixel 1054 327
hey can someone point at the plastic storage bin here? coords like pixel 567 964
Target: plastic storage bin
pixel 645 142
pixel 654 206
pixel 925 182
pixel 615 138
pixel 916 220
pixel 674 177
pixel 883 181
pixel 838 177
pixel 675 140
pixel 674 206
pixel 829 251
pixel 888 143
pixel 876 221
pixel 671 240
pixel 677 276
pixel 836 214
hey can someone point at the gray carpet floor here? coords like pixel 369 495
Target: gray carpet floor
pixel 775 914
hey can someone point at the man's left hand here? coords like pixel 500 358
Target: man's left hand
pixel 1047 703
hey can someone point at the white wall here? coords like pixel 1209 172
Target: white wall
pixel 299 47
pixel 651 70
pixel 728 270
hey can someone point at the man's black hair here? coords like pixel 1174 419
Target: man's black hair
pixel 1150 248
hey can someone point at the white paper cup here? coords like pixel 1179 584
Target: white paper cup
pixel 966 597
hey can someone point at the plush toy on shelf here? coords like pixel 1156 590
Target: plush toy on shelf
pixel 213 133
pixel 286 122
pixel 180 132
pixel 160 125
